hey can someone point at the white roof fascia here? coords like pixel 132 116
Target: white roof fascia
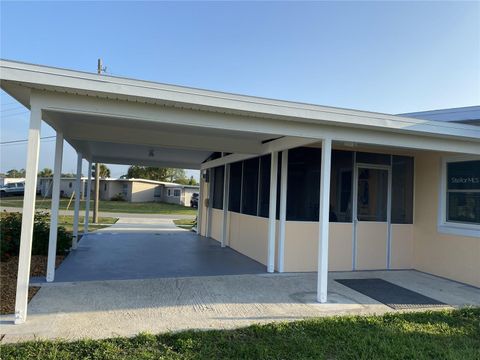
pixel 49 78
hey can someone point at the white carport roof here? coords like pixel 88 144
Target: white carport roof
pixel 117 120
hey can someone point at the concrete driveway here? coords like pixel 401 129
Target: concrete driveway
pixel 146 248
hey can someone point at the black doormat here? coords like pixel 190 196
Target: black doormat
pixel 392 295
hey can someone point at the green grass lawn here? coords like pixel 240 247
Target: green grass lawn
pixel 107 206
pixel 424 335
pixel 67 222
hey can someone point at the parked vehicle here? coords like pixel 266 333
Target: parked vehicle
pixel 194 201
pixel 12 189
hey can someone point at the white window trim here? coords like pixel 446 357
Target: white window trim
pixel 448 227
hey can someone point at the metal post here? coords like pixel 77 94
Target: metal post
pixel 87 200
pixel 52 240
pixel 226 194
pixel 26 236
pixel 324 210
pixel 200 205
pixel 210 202
pixel 272 213
pixel 96 199
pixel 283 211
pixel 78 195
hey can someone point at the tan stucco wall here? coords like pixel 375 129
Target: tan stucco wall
pixel 301 246
pixel 450 256
pixel 248 235
pixel 217 224
pixel 371 245
pixel 142 192
pixel 401 246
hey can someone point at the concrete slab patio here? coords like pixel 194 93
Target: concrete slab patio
pixel 100 309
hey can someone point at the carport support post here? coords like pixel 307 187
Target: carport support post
pixel 283 211
pixel 200 204
pixel 324 212
pixel 52 239
pixel 26 236
pixel 78 192
pixel 210 202
pixel 272 213
pixel 226 191
pixel 87 200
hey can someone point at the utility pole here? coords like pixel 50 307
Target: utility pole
pixel 96 198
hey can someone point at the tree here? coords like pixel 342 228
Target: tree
pixel 14 173
pixel 187 181
pixel 155 173
pixel 46 172
pixel 104 171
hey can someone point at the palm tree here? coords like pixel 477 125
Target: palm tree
pixel 104 171
pixel 46 172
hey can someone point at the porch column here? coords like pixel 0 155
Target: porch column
pixel 200 205
pixel 324 211
pixel 52 239
pixel 272 213
pixel 283 211
pixel 226 194
pixel 78 192
pixel 210 202
pixel 87 200
pixel 25 252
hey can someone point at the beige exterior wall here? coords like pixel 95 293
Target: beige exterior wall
pixel 142 192
pixel 401 246
pixel 248 235
pixel 301 246
pixel 371 245
pixel 217 224
pixel 450 256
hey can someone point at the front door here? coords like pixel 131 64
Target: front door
pixel 371 217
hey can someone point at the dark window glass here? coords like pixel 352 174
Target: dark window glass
pixel 303 184
pixel 250 187
pixel 264 186
pixel 463 192
pixel 235 187
pixel 402 190
pixel 373 158
pixel 218 175
pixel 341 186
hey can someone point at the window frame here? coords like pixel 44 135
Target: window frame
pixel 452 227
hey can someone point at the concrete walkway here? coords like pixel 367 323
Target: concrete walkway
pixel 101 309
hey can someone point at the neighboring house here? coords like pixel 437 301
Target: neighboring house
pixel 465 115
pixel 132 190
pixel 6 180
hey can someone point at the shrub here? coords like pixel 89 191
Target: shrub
pixel 10 229
pixel 118 197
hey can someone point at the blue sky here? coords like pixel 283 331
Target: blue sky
pixel 390 57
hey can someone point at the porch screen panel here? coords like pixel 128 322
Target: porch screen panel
pixel 250 187
pixel 373 158
pixel 264 185
pixel 341 185
pixel 463 192
pixel 235 187
pixel 303 193
pixel 218 176
pixel 402 190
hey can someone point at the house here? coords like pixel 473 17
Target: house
pixel 297 187
pixel 131 190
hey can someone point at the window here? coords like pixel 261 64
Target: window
pixel 341 186
pixel 69 185
pixel 250 186
pixel 218 176
pixel 177 192
pixel 402 190
pixel 169 192
pixel 303 184
pixel 463 192
pixel 158 191
pixel 235 187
